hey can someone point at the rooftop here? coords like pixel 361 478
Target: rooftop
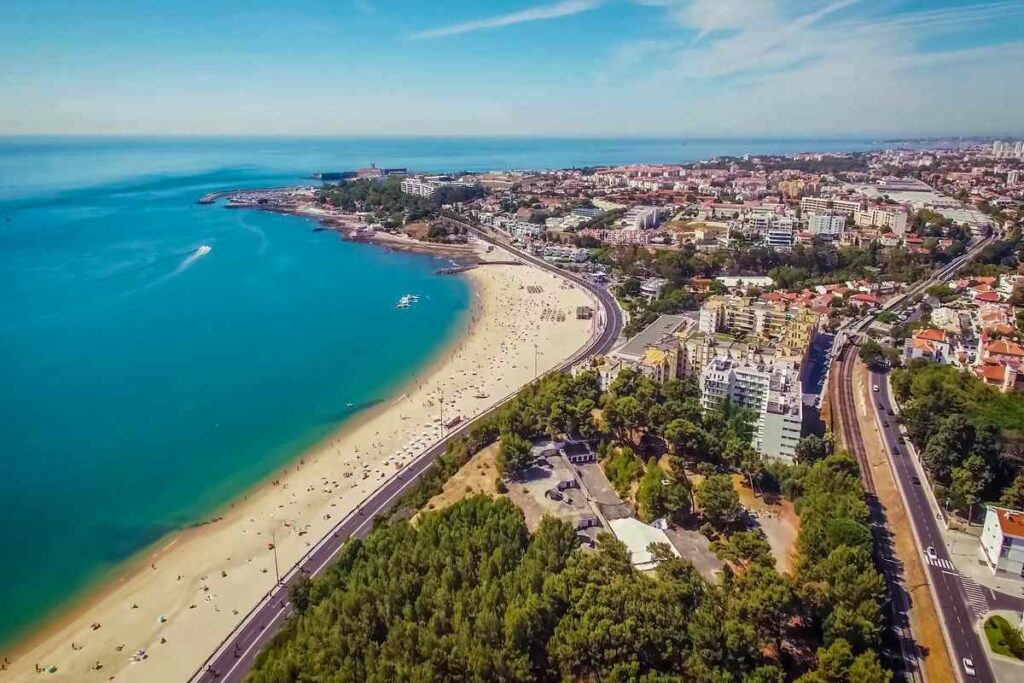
pixel 661 328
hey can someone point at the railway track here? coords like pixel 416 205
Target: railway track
pixel 908 661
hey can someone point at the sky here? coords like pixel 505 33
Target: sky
pixel 609 68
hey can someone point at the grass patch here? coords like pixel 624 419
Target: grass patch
pixel 1003 638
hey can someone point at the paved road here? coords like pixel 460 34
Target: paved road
pixel 234 658
pixel 908 658
pixel 961 601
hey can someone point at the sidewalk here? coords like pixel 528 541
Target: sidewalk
pixel 963 549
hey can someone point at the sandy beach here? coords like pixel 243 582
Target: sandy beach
pixel 180 598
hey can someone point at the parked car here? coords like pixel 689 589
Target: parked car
pixel 901 440
pixel 917 482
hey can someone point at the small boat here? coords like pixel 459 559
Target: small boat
pixel 407 301
pixel 479 394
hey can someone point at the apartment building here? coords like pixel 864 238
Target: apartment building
pixel 770 389
pixel 826 204
pixel 893 218
pixel 791 329
pixel 644 217
pixel 419 187
pixel 780 233
pixel 827 224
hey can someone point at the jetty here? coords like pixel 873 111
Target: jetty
pixel 214 197
pixel 454 270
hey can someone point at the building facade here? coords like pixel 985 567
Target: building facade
pixel 1002 541
pixel 769 389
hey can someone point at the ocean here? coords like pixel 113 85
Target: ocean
pixel 158 357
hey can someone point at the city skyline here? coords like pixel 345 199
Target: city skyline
pixel 634 68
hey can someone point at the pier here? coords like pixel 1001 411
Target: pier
pixel 454 270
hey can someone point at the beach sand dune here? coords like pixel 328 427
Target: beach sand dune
pixel 177 601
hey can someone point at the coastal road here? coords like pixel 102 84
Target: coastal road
pixel 234 658
pixel 960 600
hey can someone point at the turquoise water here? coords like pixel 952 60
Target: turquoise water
pixel 145 384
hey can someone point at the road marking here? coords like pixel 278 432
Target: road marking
pixel 940 562
pixel 255 641
pixel 977 602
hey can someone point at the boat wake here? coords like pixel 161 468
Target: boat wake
pixel 192 258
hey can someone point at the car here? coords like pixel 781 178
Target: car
pixel 889 410
pixel 930 552
pixel 881 406
pixel 874 388
pixel 917 482
pixel 886 424
pixel 969 667
pixel 901 440
pixel 895 451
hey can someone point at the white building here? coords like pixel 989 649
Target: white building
pixel 419 187
pixel 643 217
pixel 780 233
pixel 1015 178
pixel 826 224
pixel 1002 541
pixel 895 219
pixel 825 204
pixel 1008 150
pixel 770 389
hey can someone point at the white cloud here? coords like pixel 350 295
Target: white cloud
pixel 558 10
pixel 824 67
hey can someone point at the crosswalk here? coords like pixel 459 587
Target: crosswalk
pixel 940 562
pixel 977 601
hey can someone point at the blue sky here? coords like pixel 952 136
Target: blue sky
pixel 732 68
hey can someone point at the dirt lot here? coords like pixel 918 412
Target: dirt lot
pixel 778 521
pixel 417 230
pixel 476 476
pixel 923 619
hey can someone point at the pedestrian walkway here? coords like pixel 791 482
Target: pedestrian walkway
pixel 940 562
pixel 977 600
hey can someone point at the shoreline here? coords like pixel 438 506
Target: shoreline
pixel 347 229
pixel 106 582
pixel 485 315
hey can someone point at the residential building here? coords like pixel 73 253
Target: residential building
pixel 770 389
pixel 780 233
pixel 1002 541
pixel 826 224
pixel 790 328
pixel 643 217
pixel 894 218
pixel 929 343
pixel 419 187
pixel 826 204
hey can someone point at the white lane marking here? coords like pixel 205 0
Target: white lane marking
pixel 255 641
pixel 940 562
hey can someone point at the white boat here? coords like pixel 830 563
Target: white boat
pixel 407 301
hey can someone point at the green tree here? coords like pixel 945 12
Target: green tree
pixel 659 496
pixel 812 448
pixel 719 503
pixel 514 455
